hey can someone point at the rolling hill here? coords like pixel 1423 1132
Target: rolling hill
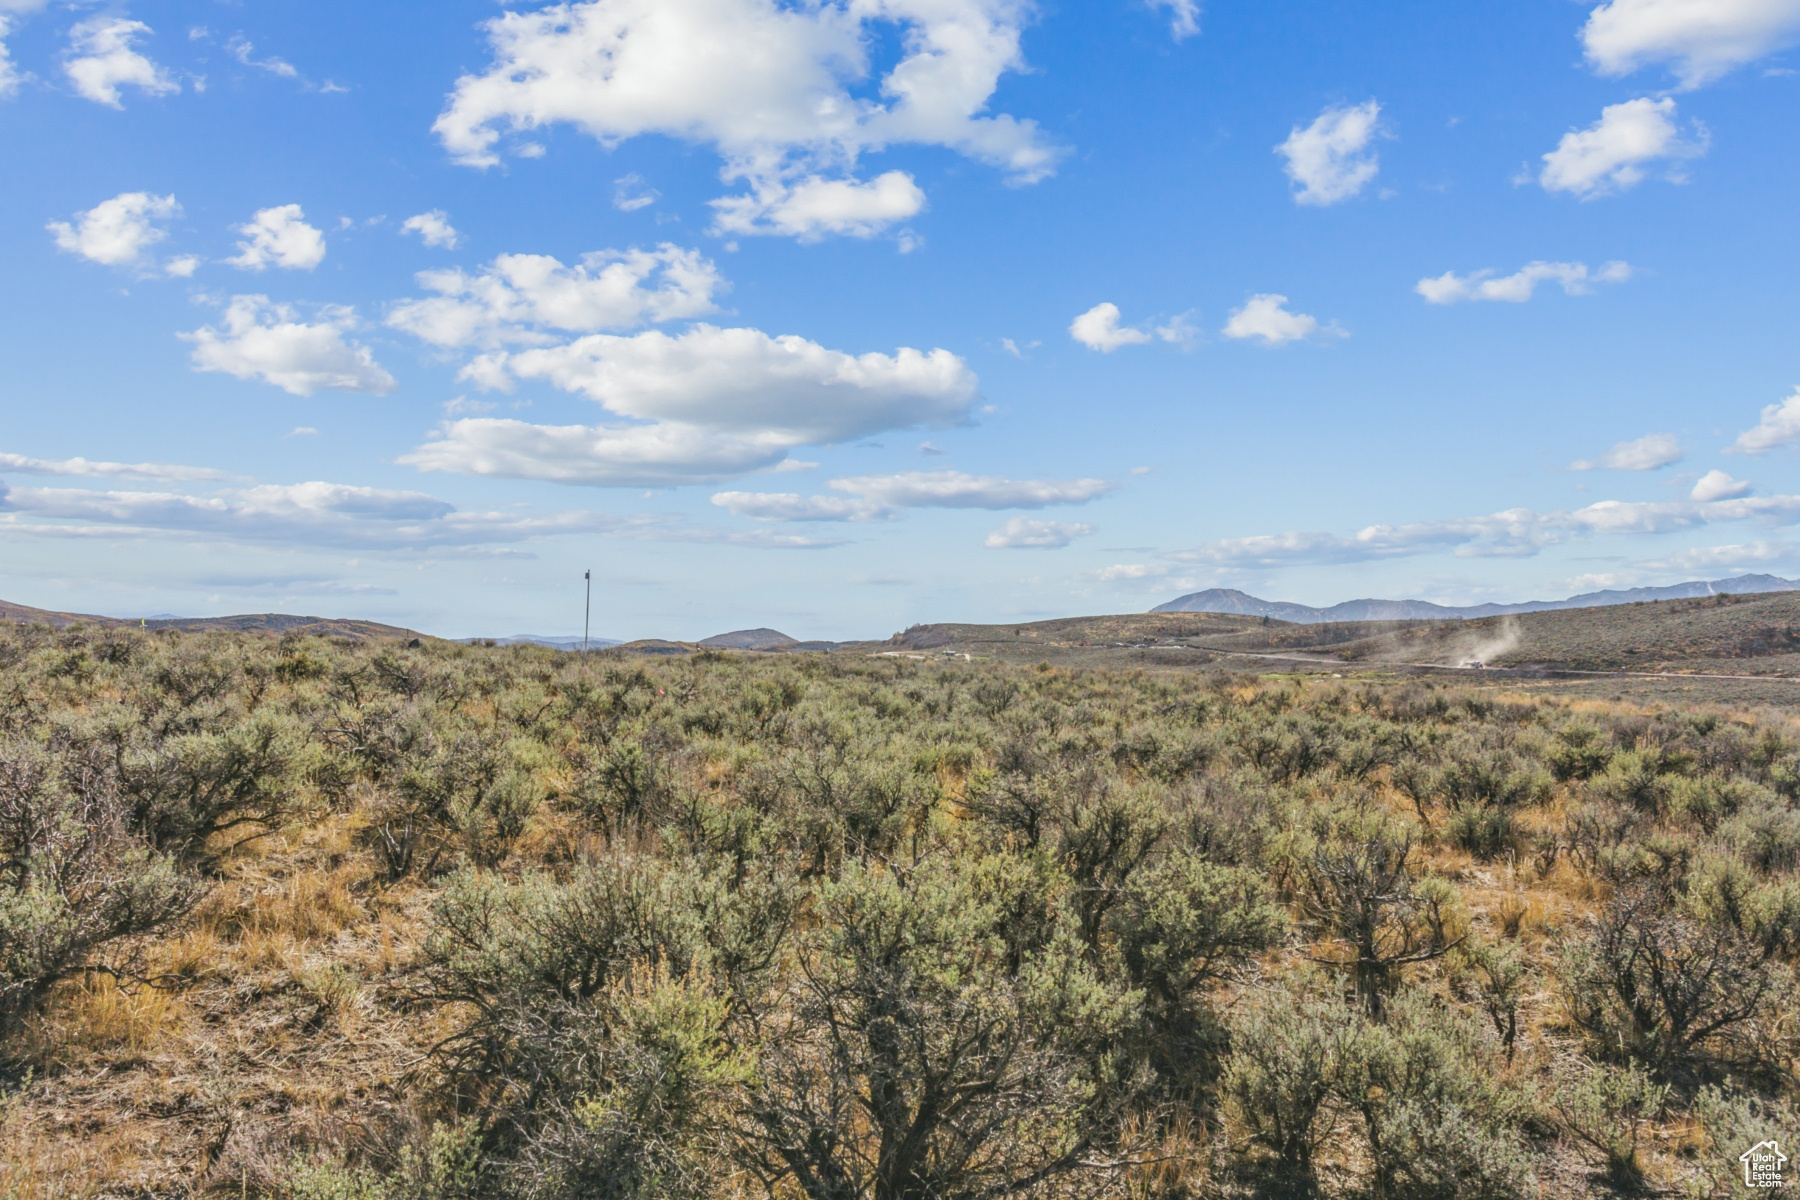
pixel 1726 634
pixel 23 615
pixel 750 639
pixel 1756 634
pixel 269 623
pixel 1230 600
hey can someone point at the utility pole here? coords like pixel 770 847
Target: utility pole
pixel 587 609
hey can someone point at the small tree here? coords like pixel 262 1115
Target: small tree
pixel 600 1013
pixel 73 879
pixel 1358 890
pixel 922 1056
pixel 1499 978
pixel 1651 986
pixel 1185 925
pixel 184 790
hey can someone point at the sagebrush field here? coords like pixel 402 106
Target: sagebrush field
pixel 323 920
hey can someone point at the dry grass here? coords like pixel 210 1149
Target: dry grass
pixel 286 1023
pixel 94 1014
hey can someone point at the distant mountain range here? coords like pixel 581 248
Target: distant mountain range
pixel 1230 600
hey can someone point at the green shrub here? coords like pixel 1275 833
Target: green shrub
pixel 1183 926
pixel 1358 888
pixel 1650 986
pixel 315 1178
pixel 1707 800
pixel 639 1073
pixel 1766 836
pixel 1490 780
pixel 1610 1109
pixel 1287 1051
pixel 1579 753
pixel 1415 1088
pixel 233 784
pixel 74 881
pixel 1634 778
pixel 1483 832
pixel 1733 1122
pixel 1435 1128
pixel 929 1053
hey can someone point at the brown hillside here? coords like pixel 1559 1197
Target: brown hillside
pixel 1729 635
pixel 1757 635
pixel 269 623
pixel 24 615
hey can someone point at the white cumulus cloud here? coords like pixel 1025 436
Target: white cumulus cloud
pixel 1021 533
pixel 267 341
pixel 1574 278
pixel 1133 571
pixel 664 454
pixel 102 58
pixel 1330 159
pixel 1700 40
pixel 769 87
pixel 717 403
pixel 1722 559
pixel 433 228
pixel 316 513
pixel 955 489
pixel 10 10
pixel 1780 426
pixel 1266 318
pixel 518 296
pixel 1613 154
pixel 810 208
pixel 279 237
pixel 1098 329
pixel 744 379
pixel 1648 453
pixel 245 51
pixel 117 232
pixel 1717 485
pixel 309 513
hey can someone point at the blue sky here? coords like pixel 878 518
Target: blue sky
pixel 840 316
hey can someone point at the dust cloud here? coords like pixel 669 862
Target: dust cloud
pixel 1472 650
